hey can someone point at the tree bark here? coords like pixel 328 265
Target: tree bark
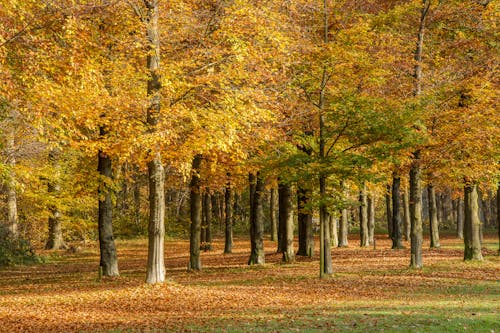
pixel 156 227
pixel 406 209
pixel 272 213
pixel 286 219
pixel 305 223
pixel 460 218
pixel 195 202
pixel 326 266
pixel 371 218
pixel 334 235
pixel 363 218
pixel 433 218
pixel 257 255
pixel 55 240
pixel 397 241
pixel 416 213
pixel 325 262
pixel 388 210
pixel 109 261
pixel 472 224
pixel 344 228
pixel 228 241
pixel 10 184
pixel 208 222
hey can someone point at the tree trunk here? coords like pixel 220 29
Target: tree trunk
pixel 305 223
pixel 228 241
pixel 207 246
pixel 334 234
pixel 406 215
pixel 156 227
pixel 325 261
pixel 55 240
pixel 433 218
pixel 257 255
pixel 388 210
pixel 203 227
pixel 326 267
pixel 371 219
pixel 415 172
pixel 109 261
pixel 416 213
pixel 10 184
pixel 363 218
pixel 196 210
pixel 472 224
pixel 272 213
pixel 344 228
pixel 397 241
pixel 286 219
pixel 137 200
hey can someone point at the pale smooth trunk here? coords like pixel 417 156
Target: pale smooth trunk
pixel 433 217
pixel 472 224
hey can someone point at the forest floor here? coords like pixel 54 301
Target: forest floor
pixel 372 290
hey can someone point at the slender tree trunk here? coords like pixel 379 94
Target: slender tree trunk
pixel 406 215
pixel 257 255
pixel 55 240
pixel 10 184
pixel 334 234
pixel 415 172
pixel 460 218
pixel 109 261
pixel 286 219
pixel 416 213
pixel 156 228
pixel 388 210
pixel 208 222
pixel 326 265
pixel 325 262
pixel 203 227
pixel 196 210
pixel 371 219
pixel 344 228
pixel 137 200
pixel 304 218
pixel 281 226
pixel 272 213
pixel 433 218
pixel 363 218
pixel 397 241
pixel 472 224
pixel 228 241
pixel 215 203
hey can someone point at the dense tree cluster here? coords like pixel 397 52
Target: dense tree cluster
pixel 117 114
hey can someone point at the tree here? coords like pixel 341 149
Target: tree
pixel 363 217
pixel 286 219
pixel 195 202
pixel 228 239
pixel 396 213
pixel 305 222
pixel 472 224
pixel 257 255
pixel 156 228
pixel 433 218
